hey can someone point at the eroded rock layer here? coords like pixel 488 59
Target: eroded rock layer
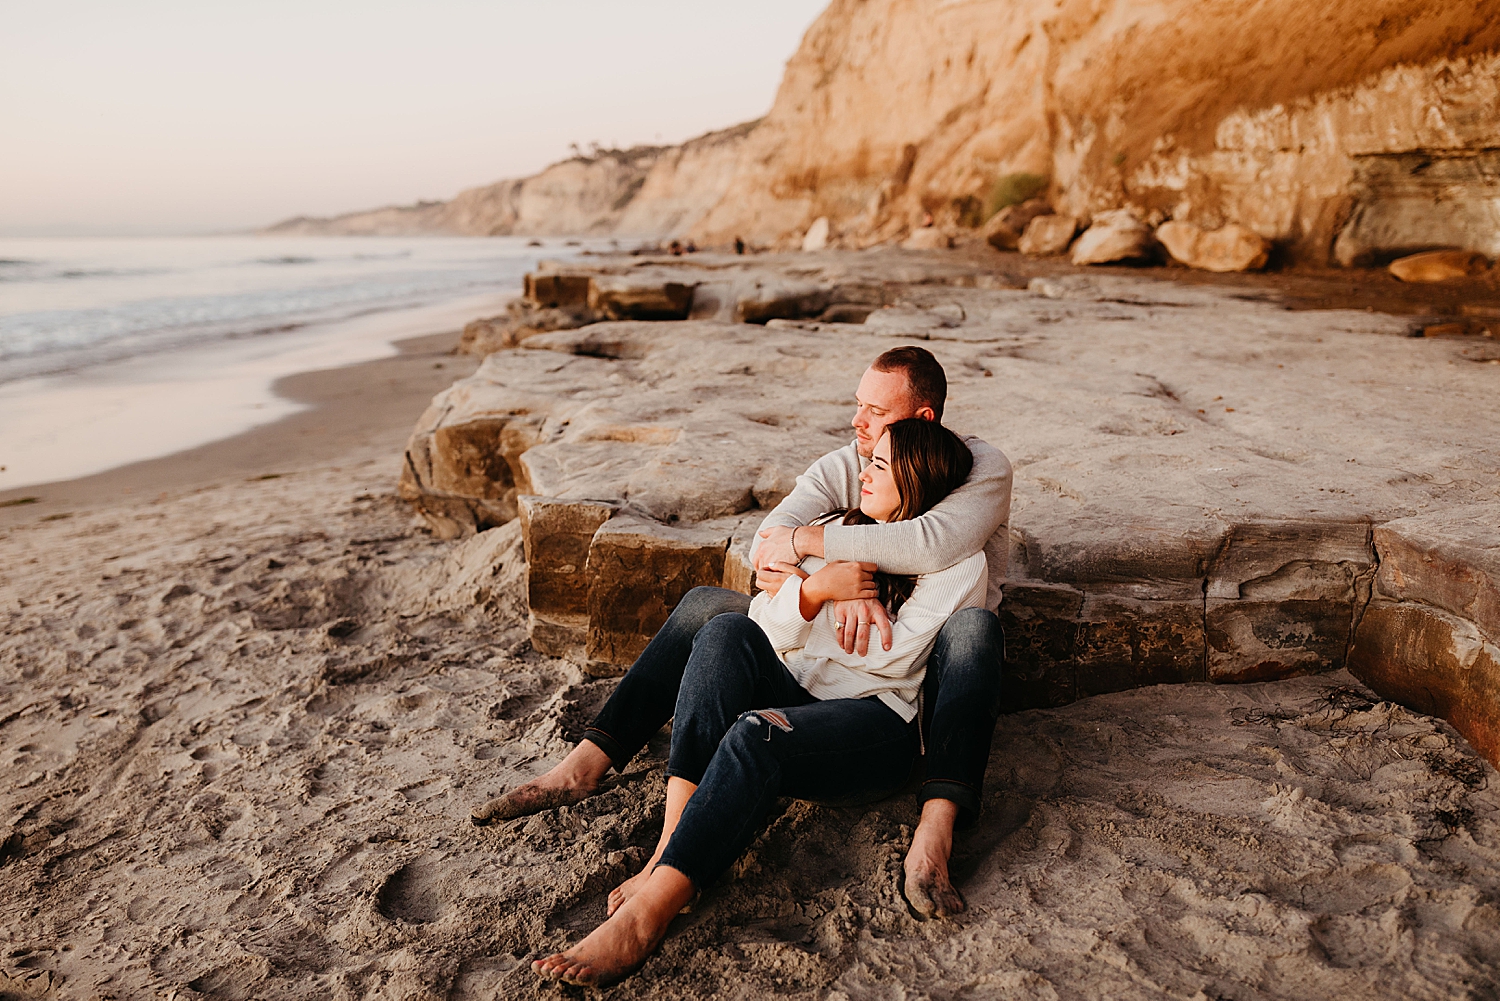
pixel 1208 486
pixel 1354 131
pixel 1256 114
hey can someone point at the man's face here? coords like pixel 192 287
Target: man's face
pixel 882 397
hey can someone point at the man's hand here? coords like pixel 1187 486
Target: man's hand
pixel 856 619
pixel 772 577
pixel 776 544
pixel 775 547
pixel 770 581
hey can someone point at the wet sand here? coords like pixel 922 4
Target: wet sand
pixel 364 410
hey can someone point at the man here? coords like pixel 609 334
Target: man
pixel 962 689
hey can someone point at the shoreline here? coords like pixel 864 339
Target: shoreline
pixel 341 420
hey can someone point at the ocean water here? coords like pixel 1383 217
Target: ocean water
pixel 118 350
pixel 69 303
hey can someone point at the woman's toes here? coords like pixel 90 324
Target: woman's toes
pixel 579 974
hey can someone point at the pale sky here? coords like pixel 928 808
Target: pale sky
pixel 170 116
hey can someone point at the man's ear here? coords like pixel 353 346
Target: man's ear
pixel 925 413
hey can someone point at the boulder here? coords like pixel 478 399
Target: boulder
pixel 910 320
pixel 1047 234
pixel 557 535
pixel 520 321
pixel 1434 662
pixel 1282 598
pixel 1430 638
pixel 1449 559
pixel 928 238
pixel 462 475
pixel 630 298
pixel 1420 200
pixel 781 299
pixel 1440 266
pixel 551 290
pixel 1114 236
pixel 638 571
pixel 1229 248
pixel 816 237
pixel 1003 231
pixel 847 312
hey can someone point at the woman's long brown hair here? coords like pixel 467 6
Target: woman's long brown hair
pixel 928 462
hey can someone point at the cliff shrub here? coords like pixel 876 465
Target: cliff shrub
pixel 1013 189
pixel 969 210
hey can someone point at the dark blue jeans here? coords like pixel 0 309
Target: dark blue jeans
pixel 962 694
pixel 746 733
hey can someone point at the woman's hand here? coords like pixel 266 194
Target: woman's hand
pixel 837 581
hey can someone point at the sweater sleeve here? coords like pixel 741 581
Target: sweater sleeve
pixel 935 597
pixel 823 488
pixel 957 526
pixel 780 617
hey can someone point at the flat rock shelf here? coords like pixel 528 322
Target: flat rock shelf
pixel 1209 485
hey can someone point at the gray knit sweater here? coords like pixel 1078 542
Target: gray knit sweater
pixel 973 517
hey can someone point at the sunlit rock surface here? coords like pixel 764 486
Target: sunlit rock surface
pixel 1209 487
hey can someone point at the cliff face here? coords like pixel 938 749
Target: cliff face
pixel 1317 125
pixel 1253 113
pixel 649 192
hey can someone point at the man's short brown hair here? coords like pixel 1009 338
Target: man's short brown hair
pixel 925 379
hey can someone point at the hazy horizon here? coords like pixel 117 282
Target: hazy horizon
pixel 171 118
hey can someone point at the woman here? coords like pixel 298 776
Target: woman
pixel 843 727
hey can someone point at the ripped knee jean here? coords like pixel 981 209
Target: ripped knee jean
pixel 746 733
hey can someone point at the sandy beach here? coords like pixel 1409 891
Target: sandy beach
pixel 373 388
pixel 248 701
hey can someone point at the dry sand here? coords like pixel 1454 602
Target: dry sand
pixel 244 721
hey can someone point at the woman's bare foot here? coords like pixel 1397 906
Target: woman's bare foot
pixel 927 887
pixel 616 948
pixel 572 780
pixel 628 889
pixel 679 791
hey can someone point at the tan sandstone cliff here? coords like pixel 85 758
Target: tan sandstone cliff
pixel 1349 129
pixel 1265 113
pixel 650 192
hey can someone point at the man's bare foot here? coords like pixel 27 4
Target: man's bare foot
pixel 616 948
pixel 927 887
pixel 572 780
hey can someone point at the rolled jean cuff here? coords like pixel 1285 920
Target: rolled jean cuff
pixel 967 798
pixel 685 774
pixel 672 862
pixel 609 746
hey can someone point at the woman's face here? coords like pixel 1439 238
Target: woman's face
pixel 878 496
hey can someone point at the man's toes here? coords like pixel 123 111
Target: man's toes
pixel 482 815
pixel 949 901
pixel 915 892
pixel 548 967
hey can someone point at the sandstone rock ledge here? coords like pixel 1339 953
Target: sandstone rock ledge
pixel 1208 486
